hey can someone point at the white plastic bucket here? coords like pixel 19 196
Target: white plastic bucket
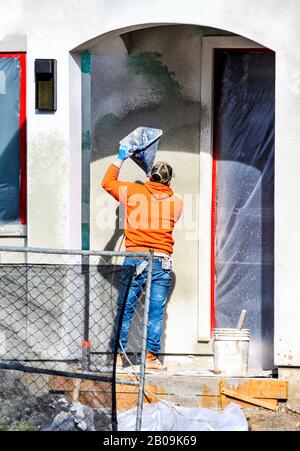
pixel 231 351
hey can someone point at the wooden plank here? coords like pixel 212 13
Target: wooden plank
pixel 208 402
pixel 268 389
pixel 76 390
pixel 98 394
pixel 261 388
pixel 208 394
pixel 226 400
pixel 92 399
pixel 248 399
pixel 59 383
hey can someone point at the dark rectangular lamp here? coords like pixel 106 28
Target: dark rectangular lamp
pixel 45 84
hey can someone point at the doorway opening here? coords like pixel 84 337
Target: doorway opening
pixel 163 77
pixel 243 196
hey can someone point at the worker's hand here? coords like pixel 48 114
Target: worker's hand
pixel 125 151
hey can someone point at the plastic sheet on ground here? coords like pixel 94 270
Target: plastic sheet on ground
pixel 168 417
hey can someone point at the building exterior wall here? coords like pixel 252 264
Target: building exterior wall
pixel 154 81
pixel 54 29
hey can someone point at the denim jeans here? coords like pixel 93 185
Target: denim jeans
pixel 160 287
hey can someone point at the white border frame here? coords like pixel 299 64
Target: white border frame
pixel 7 230
pixel 209 44
pixel 75 154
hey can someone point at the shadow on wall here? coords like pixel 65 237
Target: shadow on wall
pixel 135 330
pixel 106 260
pixel 164 335
pixel 155 101
pixel 111 245
pixel 118 232
pixel 179 120
pixel 149 66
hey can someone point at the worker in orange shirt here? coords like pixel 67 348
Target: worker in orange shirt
pixel 151 211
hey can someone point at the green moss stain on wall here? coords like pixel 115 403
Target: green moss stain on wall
pixel 108 120
pixel 86 192
pixel 86 67
pixel 149 65
pixel 105 133
pixel 85 236
pixel 86 140
pixel 86 62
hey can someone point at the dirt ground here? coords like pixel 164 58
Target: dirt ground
pixel 267 420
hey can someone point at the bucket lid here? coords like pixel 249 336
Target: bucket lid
pixel 232 334
pixel 230 331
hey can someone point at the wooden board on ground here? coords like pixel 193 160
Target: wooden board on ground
pixel 261 388
pixel 98 394
pixel 254 393
pixel 182 391
pixel 228 396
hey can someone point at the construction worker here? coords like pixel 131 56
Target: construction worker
pixel 151 211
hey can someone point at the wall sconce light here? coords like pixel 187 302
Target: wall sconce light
pixel 45 84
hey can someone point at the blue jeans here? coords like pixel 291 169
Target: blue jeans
pixel 160 287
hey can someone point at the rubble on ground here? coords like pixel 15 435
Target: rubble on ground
pixel 266 420
pixel 22 410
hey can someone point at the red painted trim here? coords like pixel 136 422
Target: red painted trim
pixel 213 238
pixel 216 101
pixel 11 55
pixel 22 131
pixel 23 190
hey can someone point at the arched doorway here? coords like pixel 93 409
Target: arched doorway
pixel 152 76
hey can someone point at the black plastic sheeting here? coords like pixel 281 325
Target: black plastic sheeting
pixel 9 141
pixel 244 247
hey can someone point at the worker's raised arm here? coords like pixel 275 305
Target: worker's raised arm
pixel 110 181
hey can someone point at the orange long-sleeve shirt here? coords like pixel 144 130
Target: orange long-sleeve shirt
pixel 151 211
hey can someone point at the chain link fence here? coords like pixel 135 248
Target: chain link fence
pixel 60 319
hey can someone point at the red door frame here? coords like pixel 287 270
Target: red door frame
pixel 22 131
pixel 216 101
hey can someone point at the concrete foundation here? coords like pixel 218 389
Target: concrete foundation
pixel 292 375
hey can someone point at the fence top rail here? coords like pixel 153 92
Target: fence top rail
pixel 38 250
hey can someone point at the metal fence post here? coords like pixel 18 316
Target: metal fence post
pixel 86 345
pixel 144 343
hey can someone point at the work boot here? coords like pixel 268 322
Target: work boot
pixel 152 362
pixel 119 361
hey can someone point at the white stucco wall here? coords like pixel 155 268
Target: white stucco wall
pixel 53 29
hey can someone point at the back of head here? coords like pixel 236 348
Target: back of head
pixel 161 172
